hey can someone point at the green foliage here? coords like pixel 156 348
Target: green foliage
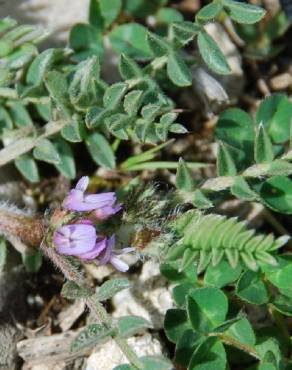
pixel 92 335
pixel 219 268
pixel 243 13
pixel 3 254
pixel 184 179
pixel 149 363
pixel 251 163
pixel 262 39
pixel 277 195
pixel 66 95
pixel 208 239
pixel 222 274
pixel 205 314
pixel 71 290
pixel 200 330
pixel 110 288
pixel 251 288
pixel 211 54
pixel 32 261
pixel 131 325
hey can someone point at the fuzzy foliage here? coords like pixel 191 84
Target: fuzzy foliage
pixel 207 239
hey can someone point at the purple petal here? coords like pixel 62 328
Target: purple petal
pixel 107 211
pixel 106 255
pixel 74 200
pixel 98 248
pixel 119 264
pixel 75 239
pixel 82 231
pixel 61 240
pixel 101 199
pixel 86 222
pixel 82 184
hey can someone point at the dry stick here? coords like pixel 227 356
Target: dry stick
pixel 24 145
pixel 96 308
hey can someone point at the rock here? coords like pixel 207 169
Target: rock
pixel 12 309
pixel 281 82
pixel 149 296
pixel 50 350
pixel 57 16
pixel 9 335
pixel 108 356
pixel 209 90
pixel 68 317
pixel 60 366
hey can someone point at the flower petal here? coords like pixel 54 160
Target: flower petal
pixel 106 255
pixel 101 199
pixel 74 200
pixel 82 231
pixel 74 239
pixel 82 184
pixel 107 211
pixel 119 264
pixel 98 248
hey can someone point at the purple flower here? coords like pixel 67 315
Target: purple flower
pixel 100 245
pixel 75 239
pixel 109 255
pixel 104 204
pixel 104 212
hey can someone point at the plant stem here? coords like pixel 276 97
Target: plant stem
pixel 101 315
pixel 282 326
pixel 255 171
pixel 95 307
pixel 128 352
pixel 235 343
pixel 116 144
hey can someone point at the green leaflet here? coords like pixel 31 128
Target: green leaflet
pixel 212 237
pixel 242 12
pixel 209 12
pixel 184 179
pixel 211 54
pixel 131 325
pixel 207 308
pixel 91 336
pixel 100 150
pixel 27 167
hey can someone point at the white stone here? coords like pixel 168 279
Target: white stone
pixel 149 296
pixel 57 16
pixel 108 356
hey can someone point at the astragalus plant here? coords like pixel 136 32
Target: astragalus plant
pixel 56 102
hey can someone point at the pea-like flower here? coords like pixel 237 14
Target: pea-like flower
pixel 80 240
pixel 110 255
pixel 104 204
pixel 75 239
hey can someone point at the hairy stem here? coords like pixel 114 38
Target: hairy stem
pixel 95 307
pixel 279 166
pixel 16 224
pixel 101 315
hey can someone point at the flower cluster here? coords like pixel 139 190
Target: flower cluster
pixel 80 239
pixel 103 205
